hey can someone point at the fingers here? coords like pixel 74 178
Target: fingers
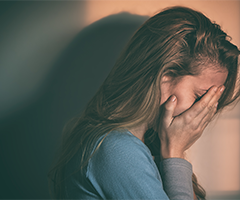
pixel 210 108
pixel 179 134
pixel 198 107
pixel 170 106
pixel 216 97
pixel 202 112
pixel 208 118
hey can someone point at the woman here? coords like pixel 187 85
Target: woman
pixel 178 70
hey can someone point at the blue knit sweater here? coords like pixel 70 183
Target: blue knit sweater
pixel 123 168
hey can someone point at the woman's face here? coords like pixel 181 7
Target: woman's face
pixel 190 88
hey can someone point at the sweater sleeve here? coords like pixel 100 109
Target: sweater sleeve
pixel 177 178
pixel 123 168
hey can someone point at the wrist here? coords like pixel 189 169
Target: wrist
pixel 171 153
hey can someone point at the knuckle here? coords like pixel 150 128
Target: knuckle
pixel 204 104
pixel 199 129
pixel 187 118
pixel 195 126
pixel 210 107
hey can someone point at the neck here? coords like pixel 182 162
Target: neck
pixel 139 131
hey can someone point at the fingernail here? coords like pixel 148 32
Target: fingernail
pixel 173 98
pixel 215 89
pixel 222 89
pixel 216 104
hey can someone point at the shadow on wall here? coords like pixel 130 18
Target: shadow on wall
pixel 33 34
pixel 29 137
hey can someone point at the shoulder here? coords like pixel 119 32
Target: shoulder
pixel 119 150
pixel 121 144
pixel 122 159
pixel 121 138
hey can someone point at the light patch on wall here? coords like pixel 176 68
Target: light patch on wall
pixel 215 156
pixel 96 10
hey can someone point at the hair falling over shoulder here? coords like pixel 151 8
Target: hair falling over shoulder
pixel 177 41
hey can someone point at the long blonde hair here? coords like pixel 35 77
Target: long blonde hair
pixel 174 42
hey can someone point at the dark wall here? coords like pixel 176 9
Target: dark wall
pixel 30 133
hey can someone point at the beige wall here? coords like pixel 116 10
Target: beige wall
pixel 224 12
pixel 215 157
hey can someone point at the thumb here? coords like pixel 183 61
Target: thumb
pixel 169 106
